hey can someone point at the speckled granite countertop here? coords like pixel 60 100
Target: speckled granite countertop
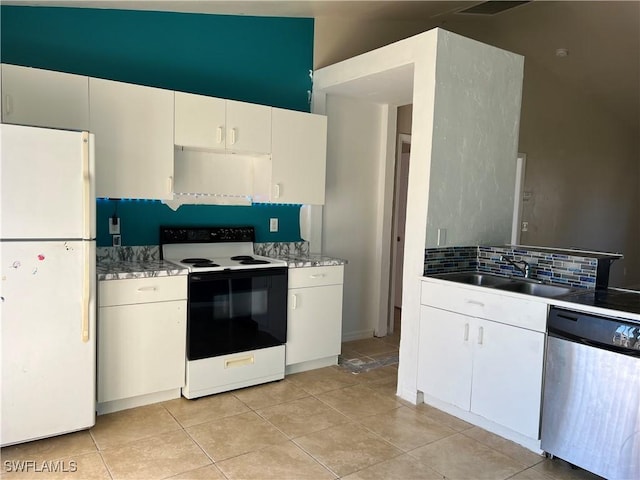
pixel 309 260
pixel 123 269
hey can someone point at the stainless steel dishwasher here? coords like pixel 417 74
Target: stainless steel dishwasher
pixel 591 402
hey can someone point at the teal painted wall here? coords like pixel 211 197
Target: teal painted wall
pixel 141 219
pixel 263 60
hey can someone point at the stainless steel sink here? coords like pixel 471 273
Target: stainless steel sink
pixel 537 289
pixel 474 278
pixel 528 287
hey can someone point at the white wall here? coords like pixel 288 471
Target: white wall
pixel 571 142
pixel 354 137
pixel 477 118
pixel 350 212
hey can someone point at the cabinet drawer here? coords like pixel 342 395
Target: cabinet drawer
pixel 315 276
pixel 519 312
pixel 229 372
pixel 141 290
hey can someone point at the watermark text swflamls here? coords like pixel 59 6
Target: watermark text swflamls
pixel 46 466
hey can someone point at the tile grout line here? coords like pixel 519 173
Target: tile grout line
pixel 184 429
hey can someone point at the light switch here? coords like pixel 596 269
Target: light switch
pixel 442 236
pixel 273 224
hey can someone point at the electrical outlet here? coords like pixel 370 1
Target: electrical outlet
pixel 116 241
pixel 442 236
pixel 273 224
pixel 114 226
pixel 525 227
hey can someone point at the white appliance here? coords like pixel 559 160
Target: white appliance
pixel 47 256
pixel 236 308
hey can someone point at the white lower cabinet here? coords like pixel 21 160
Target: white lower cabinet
pixel 141 341
pixel 491 368
pixel 314 317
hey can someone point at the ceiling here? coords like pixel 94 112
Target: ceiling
pixel 602 37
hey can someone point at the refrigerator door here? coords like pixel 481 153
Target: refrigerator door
pixel 47 184
pixel 48 338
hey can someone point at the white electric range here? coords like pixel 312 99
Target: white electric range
pixel 236 308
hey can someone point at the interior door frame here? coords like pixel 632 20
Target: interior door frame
pixel 403 139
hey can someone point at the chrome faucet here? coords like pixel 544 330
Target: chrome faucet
pixel 525 269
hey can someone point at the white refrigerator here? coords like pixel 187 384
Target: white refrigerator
pixel 48 283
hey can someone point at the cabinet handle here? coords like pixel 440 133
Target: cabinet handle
pixel 480 335
pixel 475 302
pixel 8 104
pixel 147 289
pixel 317 275
pixel 219 135
pixel 233 136
pixel 277 190
pixel 170 184
pixel 466 332
pixel 239 361
pixel 294 302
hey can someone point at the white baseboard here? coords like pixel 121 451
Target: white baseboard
pixel 126 403
pixel 311 365
pixel 357 335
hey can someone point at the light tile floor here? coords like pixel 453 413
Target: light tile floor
pixel 322 424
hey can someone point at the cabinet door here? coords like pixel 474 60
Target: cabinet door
pixel 314 323
pixel 507 376
pixel 133 125
pixel 43 98
pixel 299 153
pixel 199 121
pixel 445 356
pixel 141 349
pixel 248 128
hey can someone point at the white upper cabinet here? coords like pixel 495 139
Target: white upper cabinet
pixel 248 127
pixel 199 121
pixel 296 173
pixel 217 124
pixel 133 125
pixel 43 98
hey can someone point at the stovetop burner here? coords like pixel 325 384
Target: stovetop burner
pixel 213 248
pixel 195 260
pixel 254 261
pixel 205 264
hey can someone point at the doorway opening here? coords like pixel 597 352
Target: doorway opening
pixel 401 183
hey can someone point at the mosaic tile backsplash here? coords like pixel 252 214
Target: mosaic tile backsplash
pixel 450 259
pixel 547 266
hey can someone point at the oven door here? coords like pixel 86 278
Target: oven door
pixel 236 311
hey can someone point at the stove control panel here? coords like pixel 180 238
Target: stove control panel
pixel 213 234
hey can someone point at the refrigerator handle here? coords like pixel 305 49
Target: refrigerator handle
pixel 86 293
pixel 86 187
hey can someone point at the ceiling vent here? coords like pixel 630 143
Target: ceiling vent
pixel 491 8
